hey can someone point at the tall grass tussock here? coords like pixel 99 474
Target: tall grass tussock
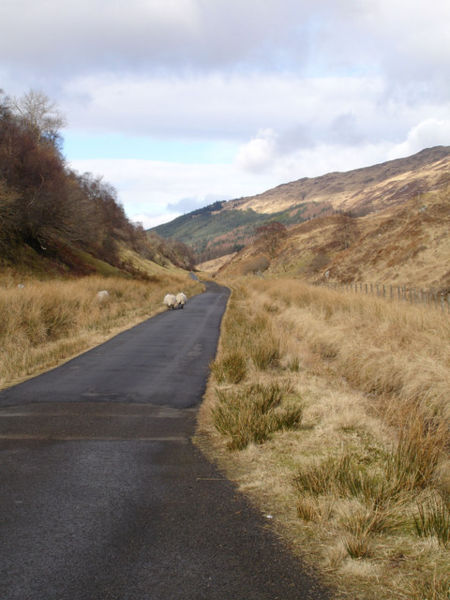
pixel 253 413
pixel 361 480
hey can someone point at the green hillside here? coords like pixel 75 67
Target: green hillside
pixel 213 231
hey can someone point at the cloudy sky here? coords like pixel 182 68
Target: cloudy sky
pixel 179 103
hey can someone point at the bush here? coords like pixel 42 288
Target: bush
pixel 257 264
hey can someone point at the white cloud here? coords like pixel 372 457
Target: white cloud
pixel 154 189
pixel 399 39
pixel 232 106
pixel 155 192
pixel 147 220
pixel 89 35
pixel 257 154
pixel 428 133
pixel 415 35
pixel 298 87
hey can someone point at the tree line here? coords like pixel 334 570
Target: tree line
pixel 47 205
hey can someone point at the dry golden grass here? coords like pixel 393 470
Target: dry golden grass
pixel 360 486
pixel 347 191
pixel 212 266
pixel 399 245
pixel 45 323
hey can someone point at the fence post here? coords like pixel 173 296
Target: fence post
pixel 365 287
pixel 384 291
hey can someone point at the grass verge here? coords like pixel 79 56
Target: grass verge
pixel 46 323
pixel 360 483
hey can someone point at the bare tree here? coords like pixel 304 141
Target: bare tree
pixel 347 231
pixel 40 114
pixel 271 235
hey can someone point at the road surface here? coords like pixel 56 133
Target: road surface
pixel 104 497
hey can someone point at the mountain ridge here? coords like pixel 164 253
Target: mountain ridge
pixel 228 226
pixel 334 180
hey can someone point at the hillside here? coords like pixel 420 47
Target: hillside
pixel 54 221
pixel 405 244
pixel 225 227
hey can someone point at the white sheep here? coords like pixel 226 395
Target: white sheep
pixel 170 301
pixel 181 299
pixel 102 295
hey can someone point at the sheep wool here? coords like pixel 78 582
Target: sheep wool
pixel 181 299
pixel 170 301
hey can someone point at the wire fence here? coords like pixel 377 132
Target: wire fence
pixel 430 297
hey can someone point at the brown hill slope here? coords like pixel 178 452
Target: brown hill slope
pixel 225 227
pixel 406 244
pixel 360 191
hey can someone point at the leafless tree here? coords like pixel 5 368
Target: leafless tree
pixel 271 235
pixel 347 230
pixel 40 114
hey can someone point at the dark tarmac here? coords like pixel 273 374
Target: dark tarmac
pixel 104 497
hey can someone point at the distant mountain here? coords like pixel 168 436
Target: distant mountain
pixel 228 226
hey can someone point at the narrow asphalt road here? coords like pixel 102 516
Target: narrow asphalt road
pixel 103 495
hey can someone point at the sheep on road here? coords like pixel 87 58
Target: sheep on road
pixel 170 301
pixel 181 299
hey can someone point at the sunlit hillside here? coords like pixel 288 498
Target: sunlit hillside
pixel 404 245
pixel 225 227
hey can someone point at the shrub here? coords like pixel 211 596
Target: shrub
pixel 257 264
